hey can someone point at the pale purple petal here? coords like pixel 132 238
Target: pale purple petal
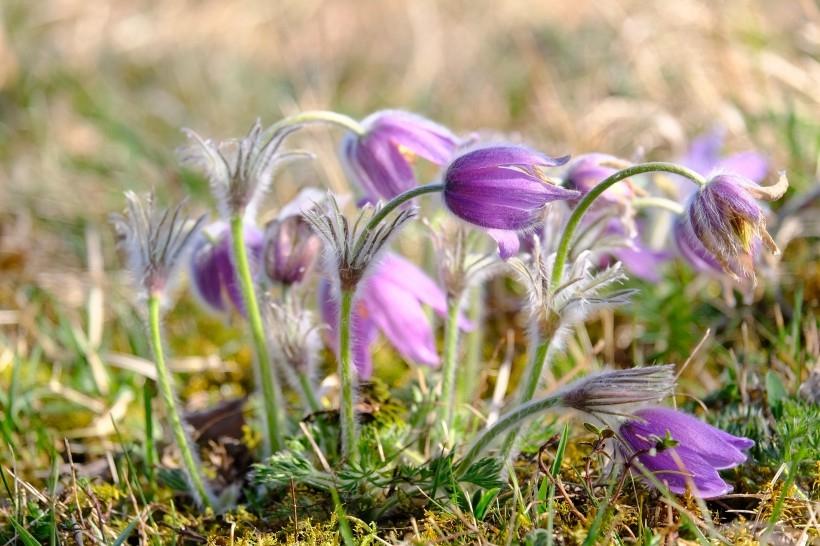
pixel 401 318
pixel 509 242
pixel 408 277
pixel 751 165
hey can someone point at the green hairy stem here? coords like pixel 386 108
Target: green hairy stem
pixel 190 461
pixel 264 367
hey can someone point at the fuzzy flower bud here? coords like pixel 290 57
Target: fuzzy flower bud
pixel 240 171
pixel 614 392
pixel 155 241
pixel 502 187
pixel 682 451
pixel 381 159
pixel 352 249
pixel 726 220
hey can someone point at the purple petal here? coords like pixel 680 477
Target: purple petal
pixel 500 198
pixel 692 250
pixel 751 165
pixel 709 442
pixel 401 318
pixel 703 154
pixel 509 242
pixel 679 466
pixel 414 133
pixel 408 277
pixel 504 156
pixel 642 261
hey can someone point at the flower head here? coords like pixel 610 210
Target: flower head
pixel 584 292
pixel 726 220
pixel 391 300
pixel 502 187
pixel 616 392
pixel 213 275
pixel 380 159
pixel 155 241
pixel 351 249
pixel 240 171
pixel 693 456
pixel 291 246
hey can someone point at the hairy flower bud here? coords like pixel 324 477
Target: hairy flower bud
pixel 724 217
pixel 613 392
pixel 155 241
pixel 240 170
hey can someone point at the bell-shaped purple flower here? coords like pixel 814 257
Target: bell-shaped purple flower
pixel 390 300
pixel 502 187
pixel 700 450
pixel 380 160
pixel 213 276
pixel 728 223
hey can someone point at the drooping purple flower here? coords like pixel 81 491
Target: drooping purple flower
pixel 390 300
pixel 381 159
pixel 291 245
pixel 700 451
pixel 728 223
pixel 213 276
pixel 502 187
pixel 704 157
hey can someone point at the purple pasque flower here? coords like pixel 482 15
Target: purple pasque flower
pixel 291 245
pixel 213 276
pixel 381 159
pixel 726 220
pixel 502 187
pixel 390 300
pixel 704 156
pixel 700 450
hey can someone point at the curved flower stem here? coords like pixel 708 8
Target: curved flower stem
pixel 506 422
pixel 658 202
pixel 190 461
pixel 264 367
pixel 347 410
pixel 400 199
pixel 594 193
pixel 532 375
pixel 447 404
pixel 319 116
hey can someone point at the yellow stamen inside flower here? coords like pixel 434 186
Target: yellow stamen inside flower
pixel 407 153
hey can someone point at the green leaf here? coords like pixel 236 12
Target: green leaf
pixel 484 503
pixel 775 390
